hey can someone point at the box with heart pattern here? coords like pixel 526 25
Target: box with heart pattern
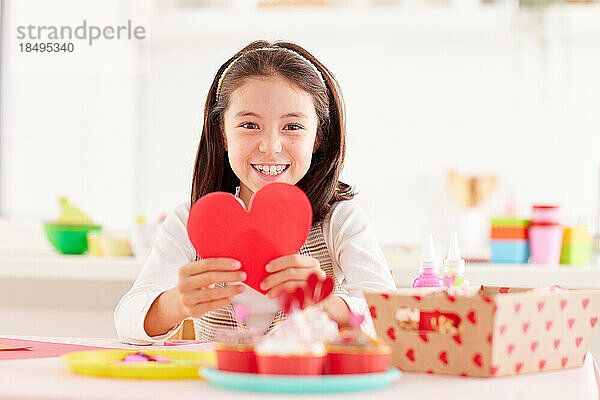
pixel 486 331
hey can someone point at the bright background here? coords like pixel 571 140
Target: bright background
pixel 478 88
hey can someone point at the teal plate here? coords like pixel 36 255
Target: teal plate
pixel 299 384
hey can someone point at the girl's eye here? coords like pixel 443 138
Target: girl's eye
pixel 249 125
pixel 292 127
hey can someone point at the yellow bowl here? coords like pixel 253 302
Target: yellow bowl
pixel 108 245
pixel 102 363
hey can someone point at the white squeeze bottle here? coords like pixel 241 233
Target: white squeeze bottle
pixel 429 268
pixel 454 265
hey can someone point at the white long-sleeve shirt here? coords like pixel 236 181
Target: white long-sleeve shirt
pixel 357 258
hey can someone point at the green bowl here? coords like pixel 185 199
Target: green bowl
pixel 69 239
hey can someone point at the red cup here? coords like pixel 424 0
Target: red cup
pixel 236 358
pixel 343 360
pixel 290 365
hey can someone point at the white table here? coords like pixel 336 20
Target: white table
pixel 50 378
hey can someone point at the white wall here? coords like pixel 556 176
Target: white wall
pixel 426 90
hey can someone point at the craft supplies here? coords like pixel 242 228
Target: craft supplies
pixel 429 273
pixel 454 265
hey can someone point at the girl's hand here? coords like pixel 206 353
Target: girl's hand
pixel 195 289
pixel 289 272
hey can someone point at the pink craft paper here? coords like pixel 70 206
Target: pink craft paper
pixel 277 224
pixel 39 349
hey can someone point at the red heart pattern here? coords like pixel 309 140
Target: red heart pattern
pixel 556 343
pixel 477 359
pixel 277 224
pixel 510 348
pixel 548 325
pixel 471 317
pixel 585 303
pixel 563 361
pixel 517 307
pixel 563 304
pixel 593 321
pixel 570 322
pixel 540 306
pixel 373 312
pixel 424 337
pixel 541 364
pixel 457 338
pixel 525 327
pixel 391 333
pixel 444 357
pixel 534 345
pixel 410 354
pixel 578 341
pixel 518 367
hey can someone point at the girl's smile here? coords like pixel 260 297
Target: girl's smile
pixel 270 129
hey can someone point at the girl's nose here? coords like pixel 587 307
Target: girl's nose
pixel 270 143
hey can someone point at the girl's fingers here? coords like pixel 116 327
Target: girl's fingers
pixel 295 260
pixel 209 264
pixel 201 309
pixel 289 274
pixel 207 279
pixel 289 286
pixel 208 295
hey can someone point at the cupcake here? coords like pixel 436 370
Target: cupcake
pixel 235 350
pixel 295 347
pixel 353 352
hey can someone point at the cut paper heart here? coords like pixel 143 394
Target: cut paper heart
pixel 277 224
pixel 315 291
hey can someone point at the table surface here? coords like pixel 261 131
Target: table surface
pixel 50 378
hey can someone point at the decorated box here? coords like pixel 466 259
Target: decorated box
pixel 486 331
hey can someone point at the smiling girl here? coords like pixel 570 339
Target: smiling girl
pixel 273 113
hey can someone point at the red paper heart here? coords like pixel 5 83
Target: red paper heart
pixel 290 301
pixel 277 224
pixel 317 289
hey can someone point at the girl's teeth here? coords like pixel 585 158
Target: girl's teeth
pixel 270 170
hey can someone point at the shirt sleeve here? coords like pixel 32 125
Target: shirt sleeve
pixel 357 255
pixel 172 249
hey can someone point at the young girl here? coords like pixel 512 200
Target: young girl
pixel 274 113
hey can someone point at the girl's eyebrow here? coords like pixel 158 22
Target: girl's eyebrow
pixel 250 113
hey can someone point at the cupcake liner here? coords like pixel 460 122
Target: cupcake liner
pixel 342 360
pixel 236 358
pixel 290 365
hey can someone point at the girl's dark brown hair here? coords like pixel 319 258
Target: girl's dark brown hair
pixel 212 171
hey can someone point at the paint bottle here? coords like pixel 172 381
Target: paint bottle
pixel 454 265
pixel 429 275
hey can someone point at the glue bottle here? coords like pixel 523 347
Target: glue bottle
pixel 454 265
pixel 428 276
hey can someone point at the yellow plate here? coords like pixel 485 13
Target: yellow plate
pixel 102 363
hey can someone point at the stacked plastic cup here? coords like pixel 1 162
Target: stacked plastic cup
pixel 509 242
pixel 545 235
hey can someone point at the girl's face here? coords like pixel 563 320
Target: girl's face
pixel 270 131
